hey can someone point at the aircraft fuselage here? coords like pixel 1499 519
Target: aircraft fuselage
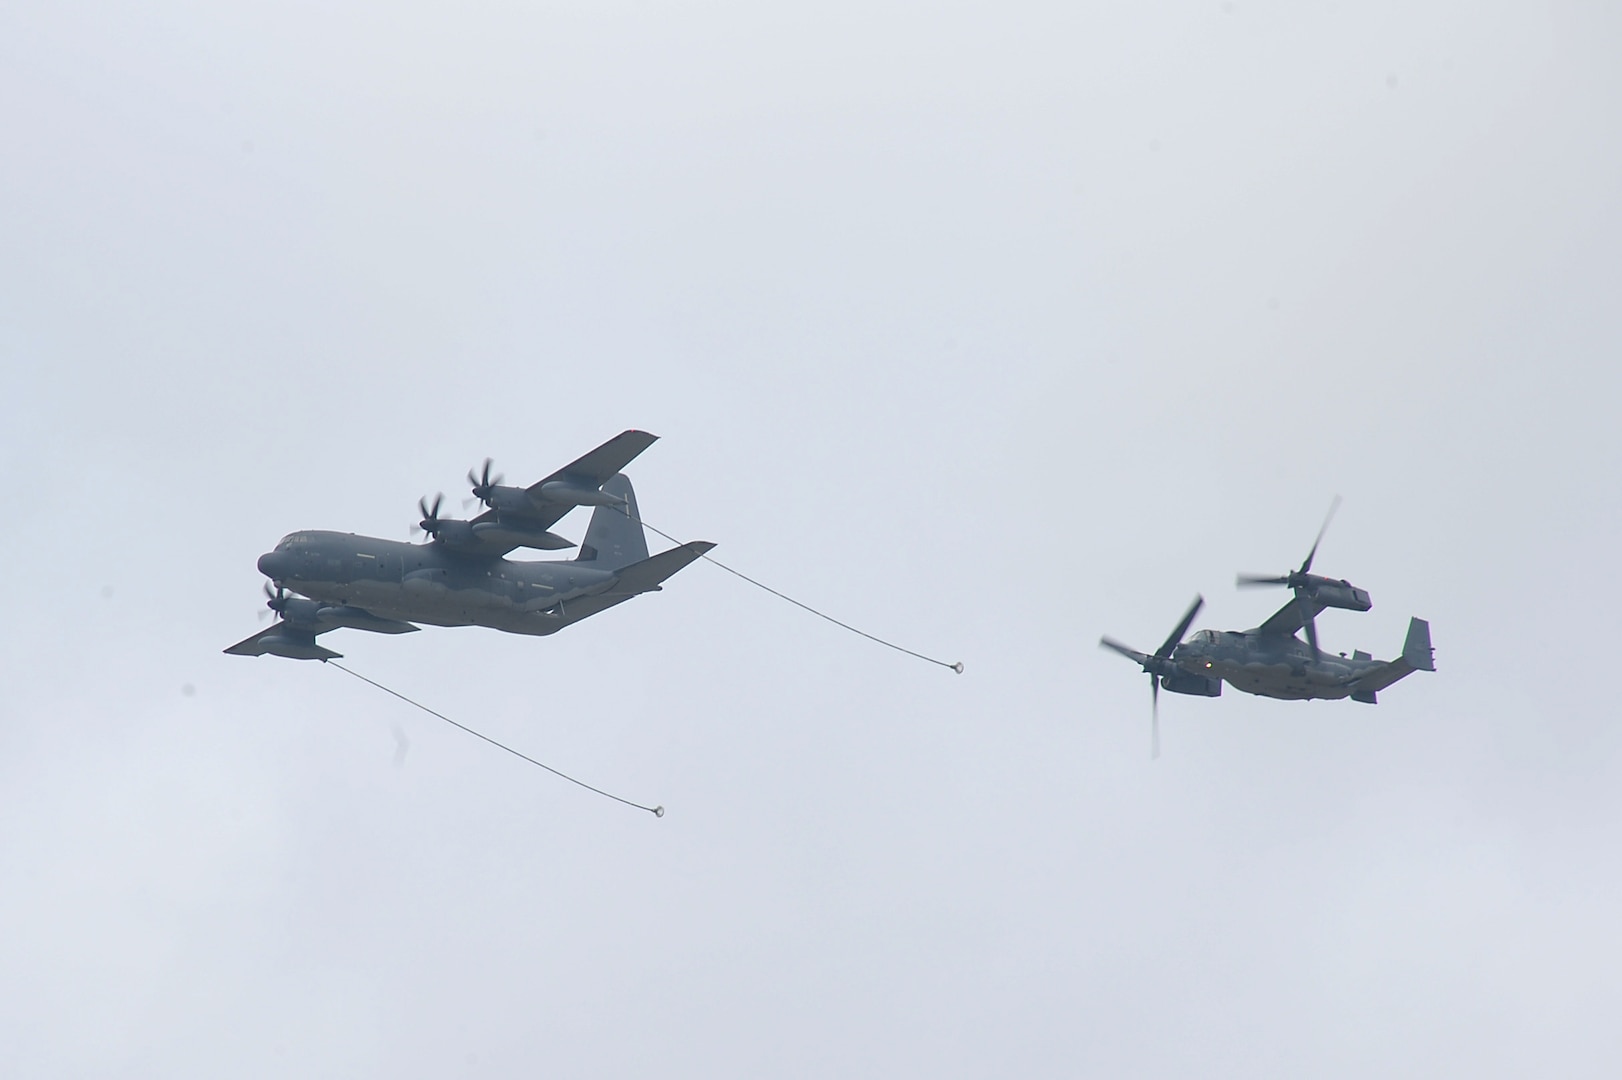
pixel 426 583
pixel 1271 665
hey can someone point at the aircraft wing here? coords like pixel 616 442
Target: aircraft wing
pixel 591 470
pixel 279 639
pixel 294 634
pixel 1287 620
pixel 597 467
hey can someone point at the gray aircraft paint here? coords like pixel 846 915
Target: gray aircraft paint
pixel 1283 666
pixel 1269 660
pixel 385 586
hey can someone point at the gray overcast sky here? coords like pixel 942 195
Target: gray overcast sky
pixel 987 327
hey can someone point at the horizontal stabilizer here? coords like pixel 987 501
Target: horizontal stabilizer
pixel 1416 656
pixel 646 575
pixel 634 580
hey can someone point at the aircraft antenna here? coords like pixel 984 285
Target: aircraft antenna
pixel 656 811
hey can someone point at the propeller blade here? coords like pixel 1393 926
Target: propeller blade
pixel 1127 651
pixel 1258 579
pixel 1154 718
pixel 275 600
pixel 430 514
pixel 1306 566
pixel 1176 637
pixel 1308 620
pixel 483 482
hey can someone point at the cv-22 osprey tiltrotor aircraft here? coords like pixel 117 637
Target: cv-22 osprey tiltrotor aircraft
pixel 1270 661
pixel 460 577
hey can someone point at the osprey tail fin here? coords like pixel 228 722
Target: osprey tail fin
pixel 1416 650
pixel 1417 655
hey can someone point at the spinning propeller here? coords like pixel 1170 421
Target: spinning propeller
pixel 1156 665
pixel 1300 581
pixel 484 484
pixel 431 522
pixel 276 600
pixel 291 609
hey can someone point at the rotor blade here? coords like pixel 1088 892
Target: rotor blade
pixel 1309 623
pixel 1182 628
pixel 1127 651
pixel 1257 579
pixel 1154 717
pixel 1306 566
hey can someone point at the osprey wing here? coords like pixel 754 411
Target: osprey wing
pixel 1290 618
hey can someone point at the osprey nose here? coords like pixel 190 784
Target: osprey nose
pixel 275 564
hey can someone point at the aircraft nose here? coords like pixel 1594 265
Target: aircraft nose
pixel 274 564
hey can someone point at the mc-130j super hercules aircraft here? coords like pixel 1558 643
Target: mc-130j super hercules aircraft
pixel 327 580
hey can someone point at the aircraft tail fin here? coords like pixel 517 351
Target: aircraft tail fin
pixel 615 538
pixel 1416 650
pixel 1417 655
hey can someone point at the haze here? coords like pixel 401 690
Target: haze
pixel 987 328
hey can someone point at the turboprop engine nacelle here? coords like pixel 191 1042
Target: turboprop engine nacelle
pixel 455 534
pixel 358 619
pixel 1182 682
pixel 565 493
pixel 296 649
pixel 509 532
pixel 1336 594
